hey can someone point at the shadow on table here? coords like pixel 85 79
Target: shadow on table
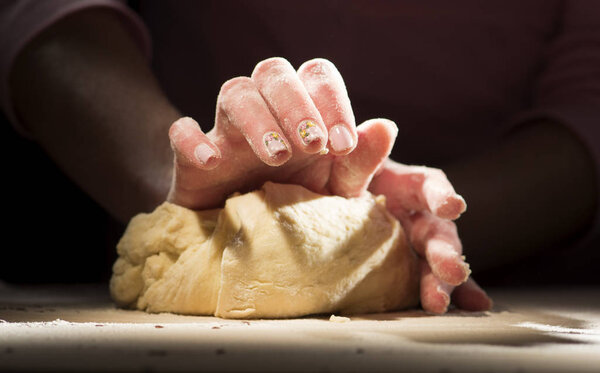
pixel 499 327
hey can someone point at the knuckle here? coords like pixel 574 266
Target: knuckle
pixel 387 123
pixel 233 91
pixel 420 229
pixel 321 75
pixel 318 66
pixel 448 228
pixel 234 84
pixel 438 173
pixel 174 134
pixel 181 126
pixel 271 65
pixel 432 174
pixel 174 130
pixel 417 174
pixel 428 227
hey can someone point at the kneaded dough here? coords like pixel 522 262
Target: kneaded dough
pixel 281 251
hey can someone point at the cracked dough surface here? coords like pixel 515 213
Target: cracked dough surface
pixel 281 251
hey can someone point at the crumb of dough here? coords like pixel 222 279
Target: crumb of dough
pixel 339 319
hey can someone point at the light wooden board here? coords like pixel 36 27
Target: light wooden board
pixel 78 328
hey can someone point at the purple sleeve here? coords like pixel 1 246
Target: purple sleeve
pixel 568 88
pixel 22 20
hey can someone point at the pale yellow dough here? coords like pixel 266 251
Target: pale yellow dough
pixel 281 251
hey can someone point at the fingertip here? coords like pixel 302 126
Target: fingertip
pixel 352 174
pixel 452 271
pixel 268 64
pixel 389 125
pixel 384 131
pixel 486 303
pixel 435 294
pixel 450 208
pixel 326 88
pixel 443 300
pixel 446 264
pixel 436 301
pixel 181 126
pixel 470 297
pixel 191 146
pixel 438 196
pixel 317 66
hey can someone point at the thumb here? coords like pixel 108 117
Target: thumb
pixel 352 174
pixel 191 146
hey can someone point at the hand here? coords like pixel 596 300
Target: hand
pixel 240 154
pixel 426 204
pixel 276 125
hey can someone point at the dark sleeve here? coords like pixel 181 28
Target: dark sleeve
pixel 568 88
pixel 22 20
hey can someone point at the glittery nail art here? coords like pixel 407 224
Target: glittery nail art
pixel 309 131
pixel 274 143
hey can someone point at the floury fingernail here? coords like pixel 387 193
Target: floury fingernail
pixel 309 131
pixel 204 153
pixel 340 138
pixel 274 143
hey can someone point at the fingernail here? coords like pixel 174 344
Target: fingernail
pixel 445 297
pixel 309 132
pixel 340 138
pixel 274 143
pixel 204 153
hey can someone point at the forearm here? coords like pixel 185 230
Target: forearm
pixel 85 93
pixel 535 191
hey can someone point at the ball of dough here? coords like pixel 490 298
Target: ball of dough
pixel 281 251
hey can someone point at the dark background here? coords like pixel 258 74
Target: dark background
pixel 53 232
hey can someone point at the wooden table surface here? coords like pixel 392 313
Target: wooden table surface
pixel 77 328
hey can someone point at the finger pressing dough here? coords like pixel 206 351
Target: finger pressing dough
pixel 281 251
